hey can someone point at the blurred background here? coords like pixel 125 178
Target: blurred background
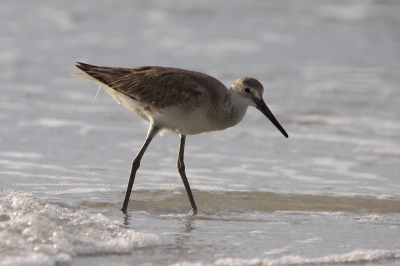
pixel 330 70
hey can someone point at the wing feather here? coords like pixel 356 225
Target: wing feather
pixel 156 87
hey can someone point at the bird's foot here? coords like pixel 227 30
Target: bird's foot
pixel 193 212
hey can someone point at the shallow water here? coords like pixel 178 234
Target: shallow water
pixel 328 194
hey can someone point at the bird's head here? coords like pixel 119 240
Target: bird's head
pixel 251 90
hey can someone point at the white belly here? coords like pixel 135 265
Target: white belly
pixel 172 119
pixel 180 122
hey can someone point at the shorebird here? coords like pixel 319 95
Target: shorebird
pixel 178 100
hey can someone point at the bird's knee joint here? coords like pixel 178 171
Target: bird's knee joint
pixel 135 164
pixel 180 165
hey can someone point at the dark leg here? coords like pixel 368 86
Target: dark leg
pixel 153 130
pixel 181 168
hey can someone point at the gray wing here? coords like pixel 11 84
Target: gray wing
pixel 156 87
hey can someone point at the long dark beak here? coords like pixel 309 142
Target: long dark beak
pixel 265 110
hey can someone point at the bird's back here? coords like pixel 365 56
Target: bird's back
pixel 159 87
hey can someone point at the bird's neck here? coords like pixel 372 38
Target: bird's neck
pixel 235 109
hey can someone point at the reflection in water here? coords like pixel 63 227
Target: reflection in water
pixel 189 226
pixel 126 216
pixel 185 233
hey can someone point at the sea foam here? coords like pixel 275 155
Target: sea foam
pixel 33 232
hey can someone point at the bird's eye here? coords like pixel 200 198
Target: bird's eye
pixel 247 89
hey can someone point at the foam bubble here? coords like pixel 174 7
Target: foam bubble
pixel 36 233
pixel 356 256
pixel 21 155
